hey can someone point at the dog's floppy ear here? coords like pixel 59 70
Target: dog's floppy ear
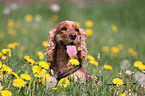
pixel 82 49
pixel 51 45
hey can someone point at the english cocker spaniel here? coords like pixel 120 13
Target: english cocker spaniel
pixel 67 41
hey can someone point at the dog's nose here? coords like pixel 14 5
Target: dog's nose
pixel 72 36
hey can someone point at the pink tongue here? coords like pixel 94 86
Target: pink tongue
pixel 71 50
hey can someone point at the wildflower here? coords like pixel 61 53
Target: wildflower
pixel 89 32
pixel 6 93
pixel 138 63
pixel 40 54
pixel 124 64
pixel 55 7
pixel 114 28
pixel 38 17
pixel 28 17
pixel 45 77
pixel 19 83
pixel 36 69
pixel 54 88
pixel 117 81
pixel 10 54
pixel 63 82
pixel 77 23
pixel 6 68
pixel 54 18
pixel 40 73
pixel 6 11
pixel 11 46
pixel 44 64
pixel 14 6
pixel 74 61
pixel 139 76
pixel 129 90
pixel 89 23
pixel 128 72
pixel 25 76
pixel 1 54
pixel 91 58
pixel 51 82
pixel 115 50
pixel 1 76
pixel 108 67
pixel 31 61
pixel 105 49
pixel 5 51
pixel 10 23
pixel 124 94
pixel 94 62
pixel 132 52
pixel 0 64
pixel 13 74
pixel 44 43
pixel 26 57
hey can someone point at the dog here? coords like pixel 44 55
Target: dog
pixel 67 41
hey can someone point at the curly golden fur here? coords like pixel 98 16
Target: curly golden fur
pixel 66 33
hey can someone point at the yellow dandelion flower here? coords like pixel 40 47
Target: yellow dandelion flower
pixel 105 48
pixel 1 76
pixel 94 62
pixel 45 77
pixel 25 76
pixel 74 61
pixel 40 54
pixel 13 74
pixel 1 54
pixel 31 61
pixel 141 67
pixel 44 64
pixel 108 67
pixel 19 83
pixel 10 54
pixel 54 88
pixel 89 32
pixel 91 58
pixel 11 46
pixel 63 82
pixel 129 90
pixel 115 50
pixel 77 23
pixel 89 23
pixel 6 93
pixel 132 52
pixel 0 64
pixel 44 43
pixel 5 51
pixel 40 73
pixel 138 63
pixel 28 17
pixel 117 81
pixel 114 28
pixel 26 57
pixel 6 68
pixel 123 94
pixel 36 69
pixel 10 23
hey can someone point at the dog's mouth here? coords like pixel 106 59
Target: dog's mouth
pixel 70 48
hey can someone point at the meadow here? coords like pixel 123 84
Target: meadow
pixel 114 30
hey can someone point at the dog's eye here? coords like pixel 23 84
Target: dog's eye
pixel 63 28
pixel 77 29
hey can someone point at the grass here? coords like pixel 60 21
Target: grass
pixel 127 16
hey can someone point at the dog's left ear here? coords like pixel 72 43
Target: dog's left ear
pixel 51 45
pixel 82 49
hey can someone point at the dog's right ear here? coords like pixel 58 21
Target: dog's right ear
pixel 50 45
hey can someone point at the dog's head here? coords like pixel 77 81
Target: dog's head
pixel 66 35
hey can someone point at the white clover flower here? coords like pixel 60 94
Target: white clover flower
pixel 6 11
pixel 128 72
pixel 139 76
pixel 51 82
pixel 14 6
pixel 55 7
pixel 124 64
